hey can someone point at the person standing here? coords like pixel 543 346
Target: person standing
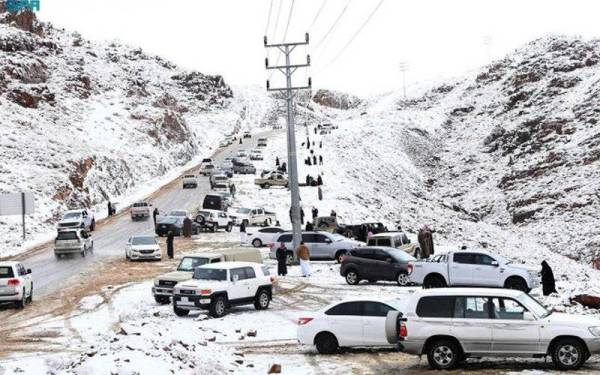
pixel 243 233
pixel 314 158
pixel 110 210
pixel 301 215
pixel 320 193
pixel 548 282
pixel 319 180
pixel 320 159
pixel 187 227
pixel 277 161
pixel 232 190
pixel 425 238
pixel 284 167
pixel 281 255
pixel 315 130
pixel 170 247
pixel 320 144
pixel 303 254
pixel 240 140
pixel 333 213
pixel 309 226
pixel 155 213
pixel 315 212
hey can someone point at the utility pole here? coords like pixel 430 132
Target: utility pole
pixel 288 70
pixel 403 65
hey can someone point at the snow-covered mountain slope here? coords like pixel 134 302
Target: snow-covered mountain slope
pixel 85 122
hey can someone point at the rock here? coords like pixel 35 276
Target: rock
pixel 212 339
pixel 587 300
pixel 239 361
pixel 275 369
pixel 251 333
pixel 156 314
pixel 334 99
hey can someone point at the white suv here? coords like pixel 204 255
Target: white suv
pixel 77 219
pixel 451 325
pixel 213 220
pixel 16 284
pixel 218 286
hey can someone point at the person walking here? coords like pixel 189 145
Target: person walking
pixel 315 212
pixel 319 180
pixel 284 167
pixel 281 255
pixel 303 254
pixel 155 213
pixel 309 226
pixel 320 159
pixel 320 144
pixel 425 238
pixel 314 158
pixel 320 193
pixel 548 282
pixel 170 247
pixel 243 233
pixel 333 213
pixel 110 210
pixel 187 227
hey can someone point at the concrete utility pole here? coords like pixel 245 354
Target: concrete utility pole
pixel 288 70
pixel 403 65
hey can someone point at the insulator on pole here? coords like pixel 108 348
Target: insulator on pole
pixel 265 40
pixel 268 84
pixel 306 38
pixel 308 59
pixel 266 62
pixel 310 82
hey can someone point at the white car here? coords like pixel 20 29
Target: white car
pixel 262 236
pixel 355 322
pixel 207 169
pixel 452 324
pixel 214 220
pixel 142 247
pixel 73 241
pixel 219 286
pixel 189 181
pixel 140 210
pixel 16 284
pixel 256 155
pixel 221 187
pixel 77 219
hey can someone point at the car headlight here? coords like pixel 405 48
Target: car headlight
pixel 595 331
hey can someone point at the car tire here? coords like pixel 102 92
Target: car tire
pixel 262 300
pixel 162 300
pixel 229 227
pixel 339 255
pixel 568 354
pixel 352 277
pixel 30 298
pixel 218 307
pixel 516 283
pixel 434 281
pixel 180 312
pixel 23 302
pixel 257 242
pixel 402 279
pixel 127 255
pixel 443 355
pixel 93 226
pixel 213 228
pixel 326 343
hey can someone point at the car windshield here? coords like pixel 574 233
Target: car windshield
pixel 532 304
pixel 143 240
pixel 188 264
pixel 178 213
pixel 6 272
pixel 210 274
pixel 67 236
pixel 243 210
pixel 72 215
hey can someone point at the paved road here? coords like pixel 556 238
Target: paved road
pixel 110 236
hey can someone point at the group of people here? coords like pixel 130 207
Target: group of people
pixel 303 254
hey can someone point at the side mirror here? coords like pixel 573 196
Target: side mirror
pixel 327 241
pixel 495 263
pixel 236 278
pixel 528 316
pixel 28 271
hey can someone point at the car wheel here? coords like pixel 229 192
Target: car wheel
pixel 403 279
pixel 443 355
pixel 568 354
pixel 23 302
pixel 352 277
pixel 180 312
pixel 127 255
pixel 162 300
pixel 214 228
pixel 83 252
pixel 229 227
pixel 257 242
pixel 326 343
pixel 339 255
pixel 218 307
pixel 516 283
pixel 434 282
pixel 266 186
pixel 262 300
pixel 30 299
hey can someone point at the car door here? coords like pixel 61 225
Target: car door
pixel 346 323
pixel 512 333
pixel 250 282
pixel 379 267
pixel 319 245
pixel 238 288
pixel 486 271
pixel 374 316
pixel 461 269
pixel 25 277
pixel 472 323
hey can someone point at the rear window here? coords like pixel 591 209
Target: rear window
pixel 285 238
pixel 347 308
pixel 6 272
pixel 140 204
pixel 384 242
pixel 67 236
pixel 436 307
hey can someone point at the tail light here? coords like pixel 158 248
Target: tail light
pixel 303 321
pixel 13 282
pixel 410 268
pixel 402 330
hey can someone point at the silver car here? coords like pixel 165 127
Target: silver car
pixel 322 245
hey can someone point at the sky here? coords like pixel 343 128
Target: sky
pixel 437 39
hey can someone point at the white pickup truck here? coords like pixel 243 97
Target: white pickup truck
pixel 473 268
pixel 253 216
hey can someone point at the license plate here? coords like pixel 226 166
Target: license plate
pixel 185 300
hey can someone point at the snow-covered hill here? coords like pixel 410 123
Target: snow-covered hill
pixel 85 122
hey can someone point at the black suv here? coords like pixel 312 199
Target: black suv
pixel 376 263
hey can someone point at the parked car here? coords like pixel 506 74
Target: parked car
pixel 220 178
pixel 227 196
pixel 244 168
pixel 262 142
pixel 350 323
pixel 452 324
pixel 227 169
pixel 207 161
pixel 242 154
pixel 213 220
pixel 217 287
pixel 375 264
pixel 214 202
pixel 220 187
pixel 142 247
pixel 165 224
pixel 247 135
pixel 398 240
pixel 356 230
pixel 322 245
pixel 256 155
pixel 224 143
pixel 189 181
pixel 82 218
pixel 207 169
pixel 473 268
pixel 253 216
pixel 331 224
pixel 273 179
pixel 140 210
pixel 73 241
pixel 258 237
pixel 163 284
pixel 16 284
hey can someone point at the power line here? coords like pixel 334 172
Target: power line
pixel 317 15
pixel 353 36
pixel 288 22
pixel 273 34
pixel 269 18
pixel 339 17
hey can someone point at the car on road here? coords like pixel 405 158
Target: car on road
pixel 220 286
pixel 73 241
pixel 214 202
pixel 207 169
pixel 220 178
pixel 206 161
pixel 322 245
pixel 220 187
pixel 273 179
pixel 242 154
pixel 227 196
pixel 473 268
pixel 256 155
pixel 450 325
pixel 375 264
pixel 241 167
pixel 247 135
pixel 253 216
pixel 350 323
pixel 164 284
pixel 142 247
pixel 398 240
pixel 16 284
pixel 227 169
pixel 261 236
pixel 82 218
pixel 213 220
pixel 189 181
pixel 140 210
pixel 164 224
pixel 262 142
